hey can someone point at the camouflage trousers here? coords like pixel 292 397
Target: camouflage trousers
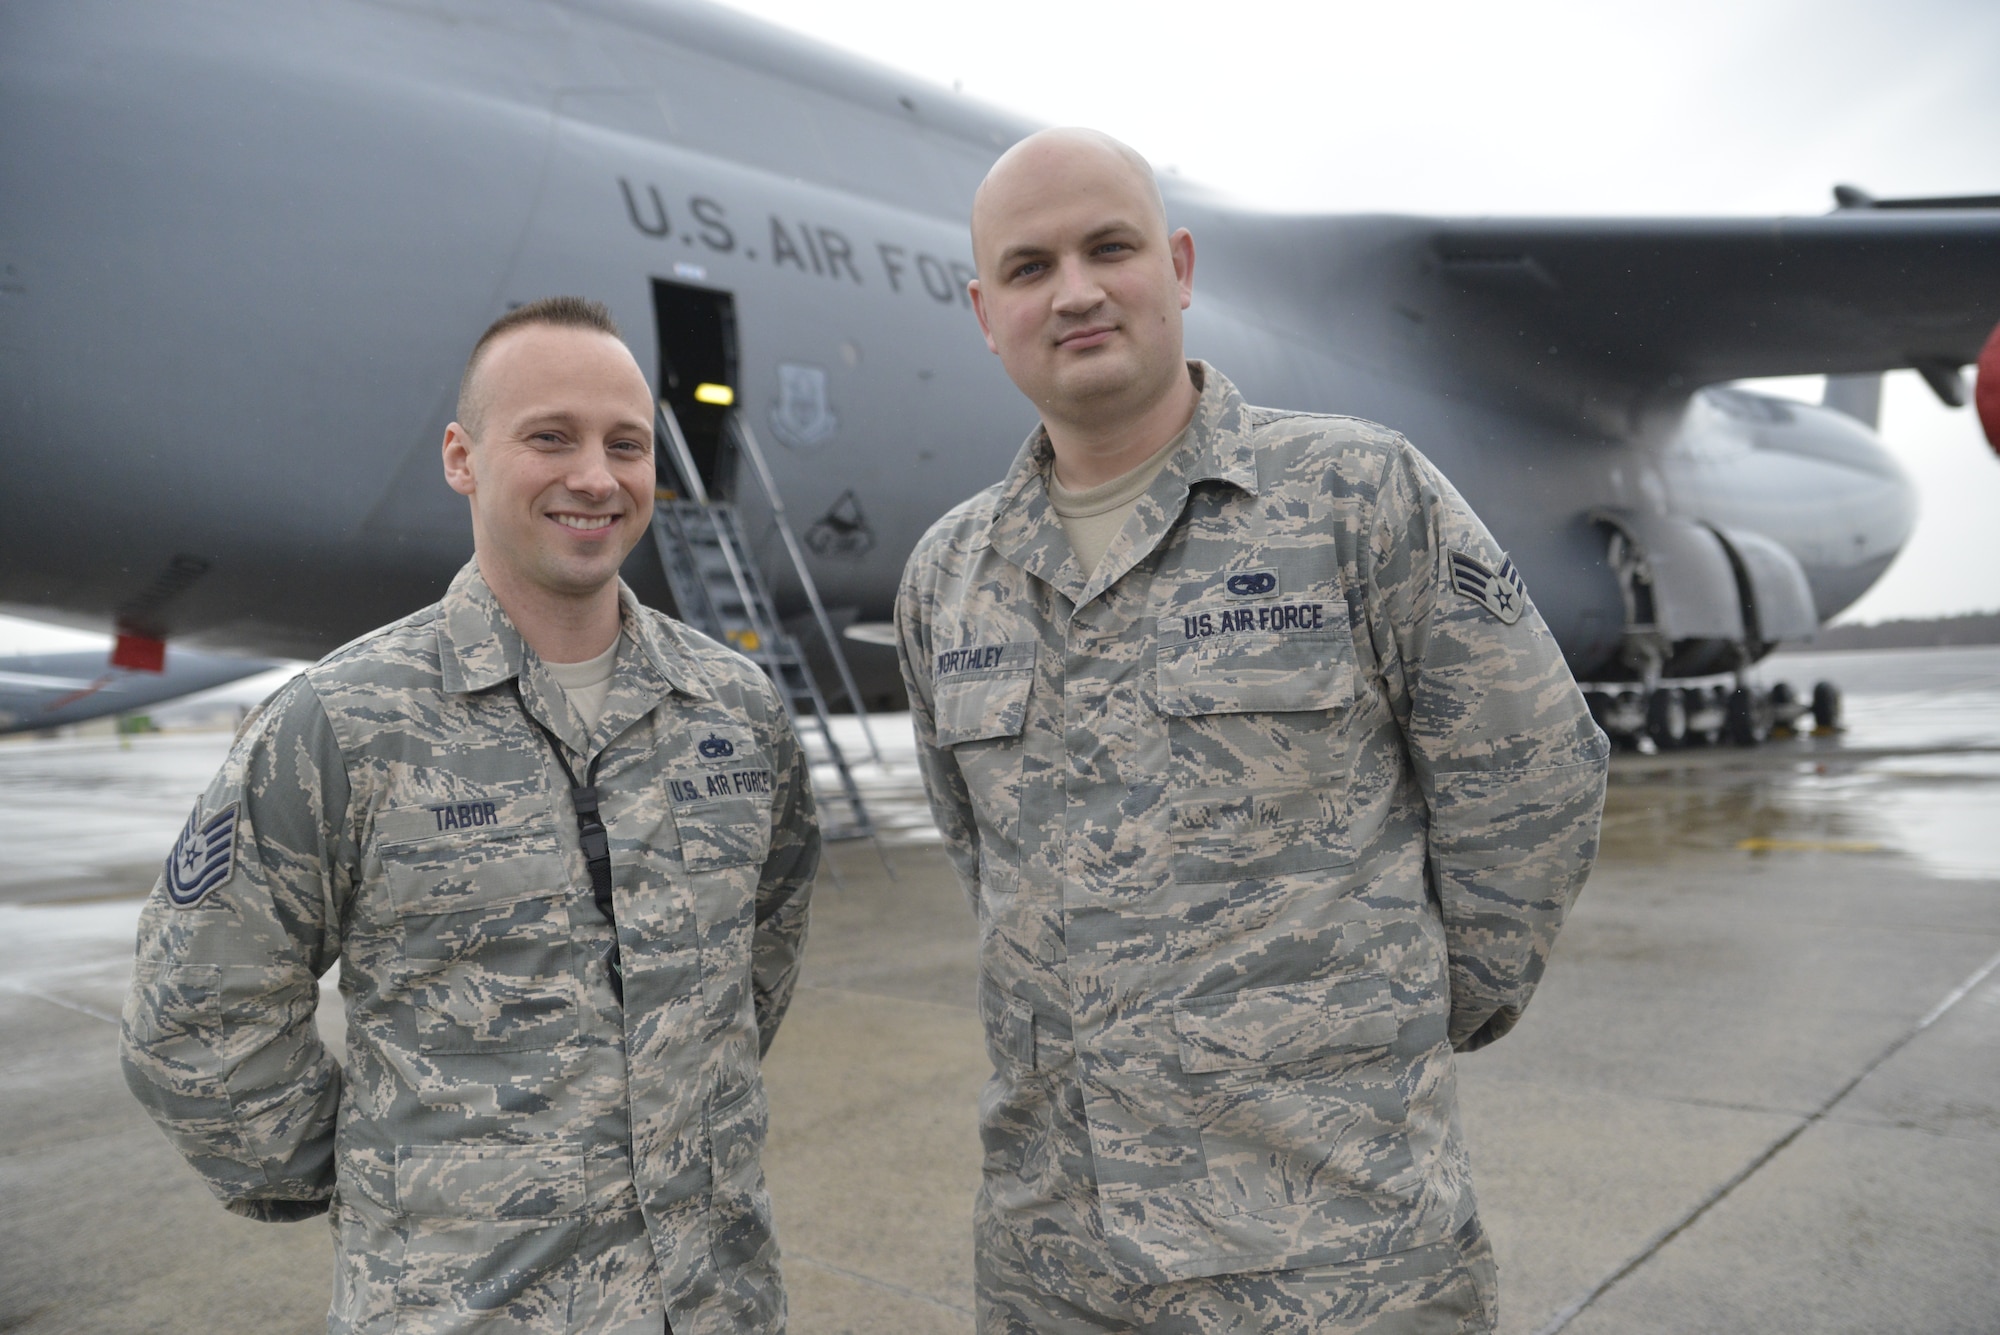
pixel 1445 1288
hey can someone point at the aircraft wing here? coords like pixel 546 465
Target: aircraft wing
pixel 1679 303
pixel 40 691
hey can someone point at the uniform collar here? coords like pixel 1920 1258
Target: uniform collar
pixel 1026 530
pixel 479 648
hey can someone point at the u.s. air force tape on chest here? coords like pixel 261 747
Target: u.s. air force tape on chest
pixel 1500 592
pixel 1284 618
pixel 980 659
pixel 708 786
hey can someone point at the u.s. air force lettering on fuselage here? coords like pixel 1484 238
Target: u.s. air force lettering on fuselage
pixel 796 243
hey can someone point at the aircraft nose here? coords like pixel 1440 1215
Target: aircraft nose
pixel 1858 507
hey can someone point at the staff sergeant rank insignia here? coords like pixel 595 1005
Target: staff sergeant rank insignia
pixel 1500 592
pixel 202 856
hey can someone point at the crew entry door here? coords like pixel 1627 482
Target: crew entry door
pixel 696 329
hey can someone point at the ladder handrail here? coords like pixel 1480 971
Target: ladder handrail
pixel 690 531
pixel 683 457
pixel 708 614
pixel 675 525
pixel 747 438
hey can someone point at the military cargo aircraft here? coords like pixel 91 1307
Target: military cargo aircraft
pixel 246 245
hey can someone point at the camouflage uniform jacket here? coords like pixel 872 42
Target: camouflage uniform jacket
pixel 503 1146
pixel 1261 819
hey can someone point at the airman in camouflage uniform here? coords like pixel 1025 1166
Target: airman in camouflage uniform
pixel 506 1144
pixel 1264 816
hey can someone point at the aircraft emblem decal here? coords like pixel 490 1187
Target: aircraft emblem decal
pixel 203 856
pixel 1500 592
pixel 843 530
pixel 802 417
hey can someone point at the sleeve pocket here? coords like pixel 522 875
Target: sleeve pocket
pixel 1009 1022
pixel 1272 1026
pixel 739 1204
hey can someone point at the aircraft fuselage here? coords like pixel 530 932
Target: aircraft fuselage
pixel 248 246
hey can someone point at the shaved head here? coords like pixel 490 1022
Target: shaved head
pixel 556 312
pixel 1028 165
pixel 1080 292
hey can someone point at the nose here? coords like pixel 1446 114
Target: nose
pixel 1077 289
pixel 591 475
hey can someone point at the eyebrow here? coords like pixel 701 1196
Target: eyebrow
pixel 563 417
pixel 1032 250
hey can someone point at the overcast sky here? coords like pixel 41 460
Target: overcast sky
pixel 1529 107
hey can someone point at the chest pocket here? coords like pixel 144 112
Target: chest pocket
pixel 980 718
pixel 486 963
pixel 1257 745
pixel 722 803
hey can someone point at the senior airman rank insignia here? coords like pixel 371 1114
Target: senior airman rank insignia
pixel 203 856
pixel 1500 592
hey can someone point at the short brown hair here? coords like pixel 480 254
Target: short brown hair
pixel 563 312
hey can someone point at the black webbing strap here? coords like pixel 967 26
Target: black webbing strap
pixel 596 841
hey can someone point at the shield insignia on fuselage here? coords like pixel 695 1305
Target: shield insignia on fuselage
pixel 802 417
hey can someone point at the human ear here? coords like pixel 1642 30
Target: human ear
pixel 458 460
pixel 979 309
pixel 1181 246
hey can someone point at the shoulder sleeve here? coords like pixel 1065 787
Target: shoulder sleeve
pixel 784 888
pixel 944 786
pixel 1504 749
pixel 218 1039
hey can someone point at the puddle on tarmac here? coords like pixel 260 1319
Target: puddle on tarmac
pixel 1916 773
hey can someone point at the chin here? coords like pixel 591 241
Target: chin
pixel 575 580
pixel 1107 398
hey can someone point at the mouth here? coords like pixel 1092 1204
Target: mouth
pixel 1089 336
pixel 585 523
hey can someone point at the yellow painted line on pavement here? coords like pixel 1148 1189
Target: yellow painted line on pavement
pixel 1807 846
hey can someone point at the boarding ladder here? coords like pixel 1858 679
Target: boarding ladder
pixel 720 591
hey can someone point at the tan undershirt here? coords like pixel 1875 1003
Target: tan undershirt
pixel 586 683
pixel 1092 517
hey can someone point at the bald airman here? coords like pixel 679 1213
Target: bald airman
pixel 1270 790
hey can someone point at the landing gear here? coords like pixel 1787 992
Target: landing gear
pixel 1707 712
pixel 1748 720
pixel 1666 718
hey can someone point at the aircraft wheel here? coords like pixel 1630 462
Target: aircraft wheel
pixel 1748 721
pixel 1666 719
pixel 1826 707
pixel 1599 705
pixel 1693 701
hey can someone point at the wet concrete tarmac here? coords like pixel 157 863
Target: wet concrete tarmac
pixel 1759 1089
